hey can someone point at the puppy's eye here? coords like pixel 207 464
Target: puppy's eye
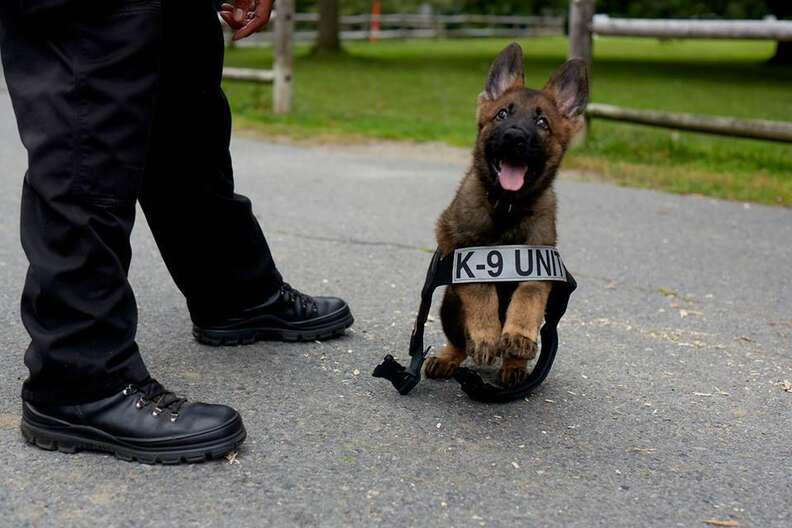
pixel 543 123
pixel 502 114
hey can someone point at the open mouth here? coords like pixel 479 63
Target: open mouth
pixel 510 177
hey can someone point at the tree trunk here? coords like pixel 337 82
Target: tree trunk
pixel 783 54
pixel 328 40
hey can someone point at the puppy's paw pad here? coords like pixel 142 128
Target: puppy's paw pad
pixel 437 368
pixel 509 376
pixel 482 352
pixel 517 346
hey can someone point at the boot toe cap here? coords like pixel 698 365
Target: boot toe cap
pixel 330 305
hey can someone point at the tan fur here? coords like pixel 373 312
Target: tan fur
pixel 513 371
pixel 523 320
pixel 445 363
pixel 482 325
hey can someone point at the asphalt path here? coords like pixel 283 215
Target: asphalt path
pixel 666 406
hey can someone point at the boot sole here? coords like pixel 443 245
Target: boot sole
pixel 334 327
pixel 75 439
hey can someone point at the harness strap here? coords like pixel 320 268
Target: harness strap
pixel 439 274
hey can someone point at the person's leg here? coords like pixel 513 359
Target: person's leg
pixel 83 87
pixel 207 234
pixel 85 127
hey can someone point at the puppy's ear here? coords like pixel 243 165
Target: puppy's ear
pixel 507 72
pixel 569 88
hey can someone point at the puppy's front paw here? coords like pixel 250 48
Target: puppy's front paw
pixel 512 373
pixel 482 352
pixel 440 368
pixel 517 346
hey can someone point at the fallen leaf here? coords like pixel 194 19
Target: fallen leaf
pixel 232 457
pixel 684 313
pixel 641 450
pixel 716 522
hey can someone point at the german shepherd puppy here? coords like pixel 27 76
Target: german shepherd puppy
pixel 507 197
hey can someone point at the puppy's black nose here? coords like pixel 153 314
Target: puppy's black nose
pixel 516 138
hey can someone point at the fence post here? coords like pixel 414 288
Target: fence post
pixel 284 57
pixel 581 44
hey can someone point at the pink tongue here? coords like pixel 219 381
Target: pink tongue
pixel 512 177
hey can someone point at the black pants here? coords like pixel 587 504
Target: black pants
pixel 118 102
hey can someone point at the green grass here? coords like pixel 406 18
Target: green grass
pixel 426 91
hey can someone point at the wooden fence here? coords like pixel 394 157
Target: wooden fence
pixel 584 24
pixel 413 26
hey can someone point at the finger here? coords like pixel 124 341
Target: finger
pixel 228 17
pixel 261 18
pixel 241 8
pixel 248 29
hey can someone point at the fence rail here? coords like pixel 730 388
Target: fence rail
pixel 767 29
pixel 408 25
pixel 721 125
pixel 410 19
pixel 249 74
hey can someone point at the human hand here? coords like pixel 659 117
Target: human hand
pixel 246 17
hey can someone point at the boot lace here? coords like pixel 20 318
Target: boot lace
pixel 306 302
pixel 155 394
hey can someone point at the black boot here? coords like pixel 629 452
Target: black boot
pixel 143 422
pixel 288 316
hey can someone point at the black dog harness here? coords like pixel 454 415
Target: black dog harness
pixel 491 264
